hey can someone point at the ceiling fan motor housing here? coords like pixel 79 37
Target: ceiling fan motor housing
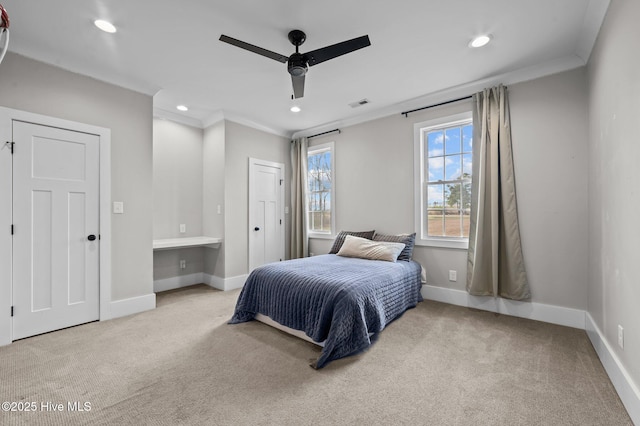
pixel 297 65
pixel 297 37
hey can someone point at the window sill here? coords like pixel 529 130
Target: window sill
pixel 444 243
pixel 321 236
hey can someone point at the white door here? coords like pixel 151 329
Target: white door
pixel 266 219
pixel 55 235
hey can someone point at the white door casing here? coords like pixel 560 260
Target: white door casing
pixel 266 212
pixel 7 117
pixel 56 228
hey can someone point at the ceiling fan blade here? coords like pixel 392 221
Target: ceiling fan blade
pixel 329 52
pixel 255 49
pixel 298 86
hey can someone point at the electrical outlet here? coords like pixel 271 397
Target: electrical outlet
pixel 183 228
pixel 183 264
pixel 620 336
pixel 453 275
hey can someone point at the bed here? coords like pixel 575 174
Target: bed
pixel 342 302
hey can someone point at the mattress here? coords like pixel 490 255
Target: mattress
pixel 343 302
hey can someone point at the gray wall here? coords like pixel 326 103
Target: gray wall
pixel 197 171
pixel 242 143
pixel 374 175
pixel 614 201
pixel 177 195
pixel 549 132
pixel 213 224
pixel 177 179
pixel 33 86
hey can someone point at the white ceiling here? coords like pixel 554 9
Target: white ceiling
pixel 418 52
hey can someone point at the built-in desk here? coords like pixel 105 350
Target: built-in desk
pixel 185 242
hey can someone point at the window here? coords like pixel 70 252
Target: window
pixel 320 190
pixel 443 151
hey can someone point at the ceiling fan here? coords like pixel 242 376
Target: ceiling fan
pixel 298 63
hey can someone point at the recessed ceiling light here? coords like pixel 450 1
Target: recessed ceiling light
pixel 105 26
pixel 480 41
pixel 295 108
pixel 182 108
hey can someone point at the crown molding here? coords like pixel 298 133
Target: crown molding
pixel 218 116
pixel 178 118
pixel 593 20
pixel 214 118
pixel 517 76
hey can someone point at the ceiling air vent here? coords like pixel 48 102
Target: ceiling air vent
pixel 359 103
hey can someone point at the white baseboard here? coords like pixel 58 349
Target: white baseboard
pixel 225 284
pixel 134 305
pixel 178 282
pixel 627 390
pixel 536 311
pixel 214 281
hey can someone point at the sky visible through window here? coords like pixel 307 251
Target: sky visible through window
pixel 449 169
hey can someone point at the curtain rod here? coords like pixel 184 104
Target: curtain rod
pixel 406 113
pixel 324 133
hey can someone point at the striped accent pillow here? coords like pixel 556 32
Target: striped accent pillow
pixel 408 240
pixel 341 236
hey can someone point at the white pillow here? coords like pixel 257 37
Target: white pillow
pixel 368 249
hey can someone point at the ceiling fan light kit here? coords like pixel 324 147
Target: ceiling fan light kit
pixel 299 63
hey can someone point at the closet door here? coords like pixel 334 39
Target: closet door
pixel 56 228
pixel 266 219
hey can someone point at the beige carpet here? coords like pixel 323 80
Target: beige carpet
pixel 181 364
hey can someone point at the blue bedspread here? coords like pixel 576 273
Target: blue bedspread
pixel 330 298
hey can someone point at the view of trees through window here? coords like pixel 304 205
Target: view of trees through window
pixel 319 191
pixel 448 175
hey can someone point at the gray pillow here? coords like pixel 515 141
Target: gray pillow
pixel 337 244
pixel 408 240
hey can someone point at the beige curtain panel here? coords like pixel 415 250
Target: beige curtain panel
pixel 299 239
pixel 495 264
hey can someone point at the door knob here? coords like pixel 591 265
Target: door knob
pixel 256 228
pixel 91 237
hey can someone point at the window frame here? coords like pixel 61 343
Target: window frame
pixel 420 184
pixel 315 149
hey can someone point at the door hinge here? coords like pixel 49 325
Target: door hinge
pixel 11 229
pixel 12 311
pixel 11 144
pixel 280 221
pixel 280 179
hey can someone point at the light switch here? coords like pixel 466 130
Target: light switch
pixel 118 207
